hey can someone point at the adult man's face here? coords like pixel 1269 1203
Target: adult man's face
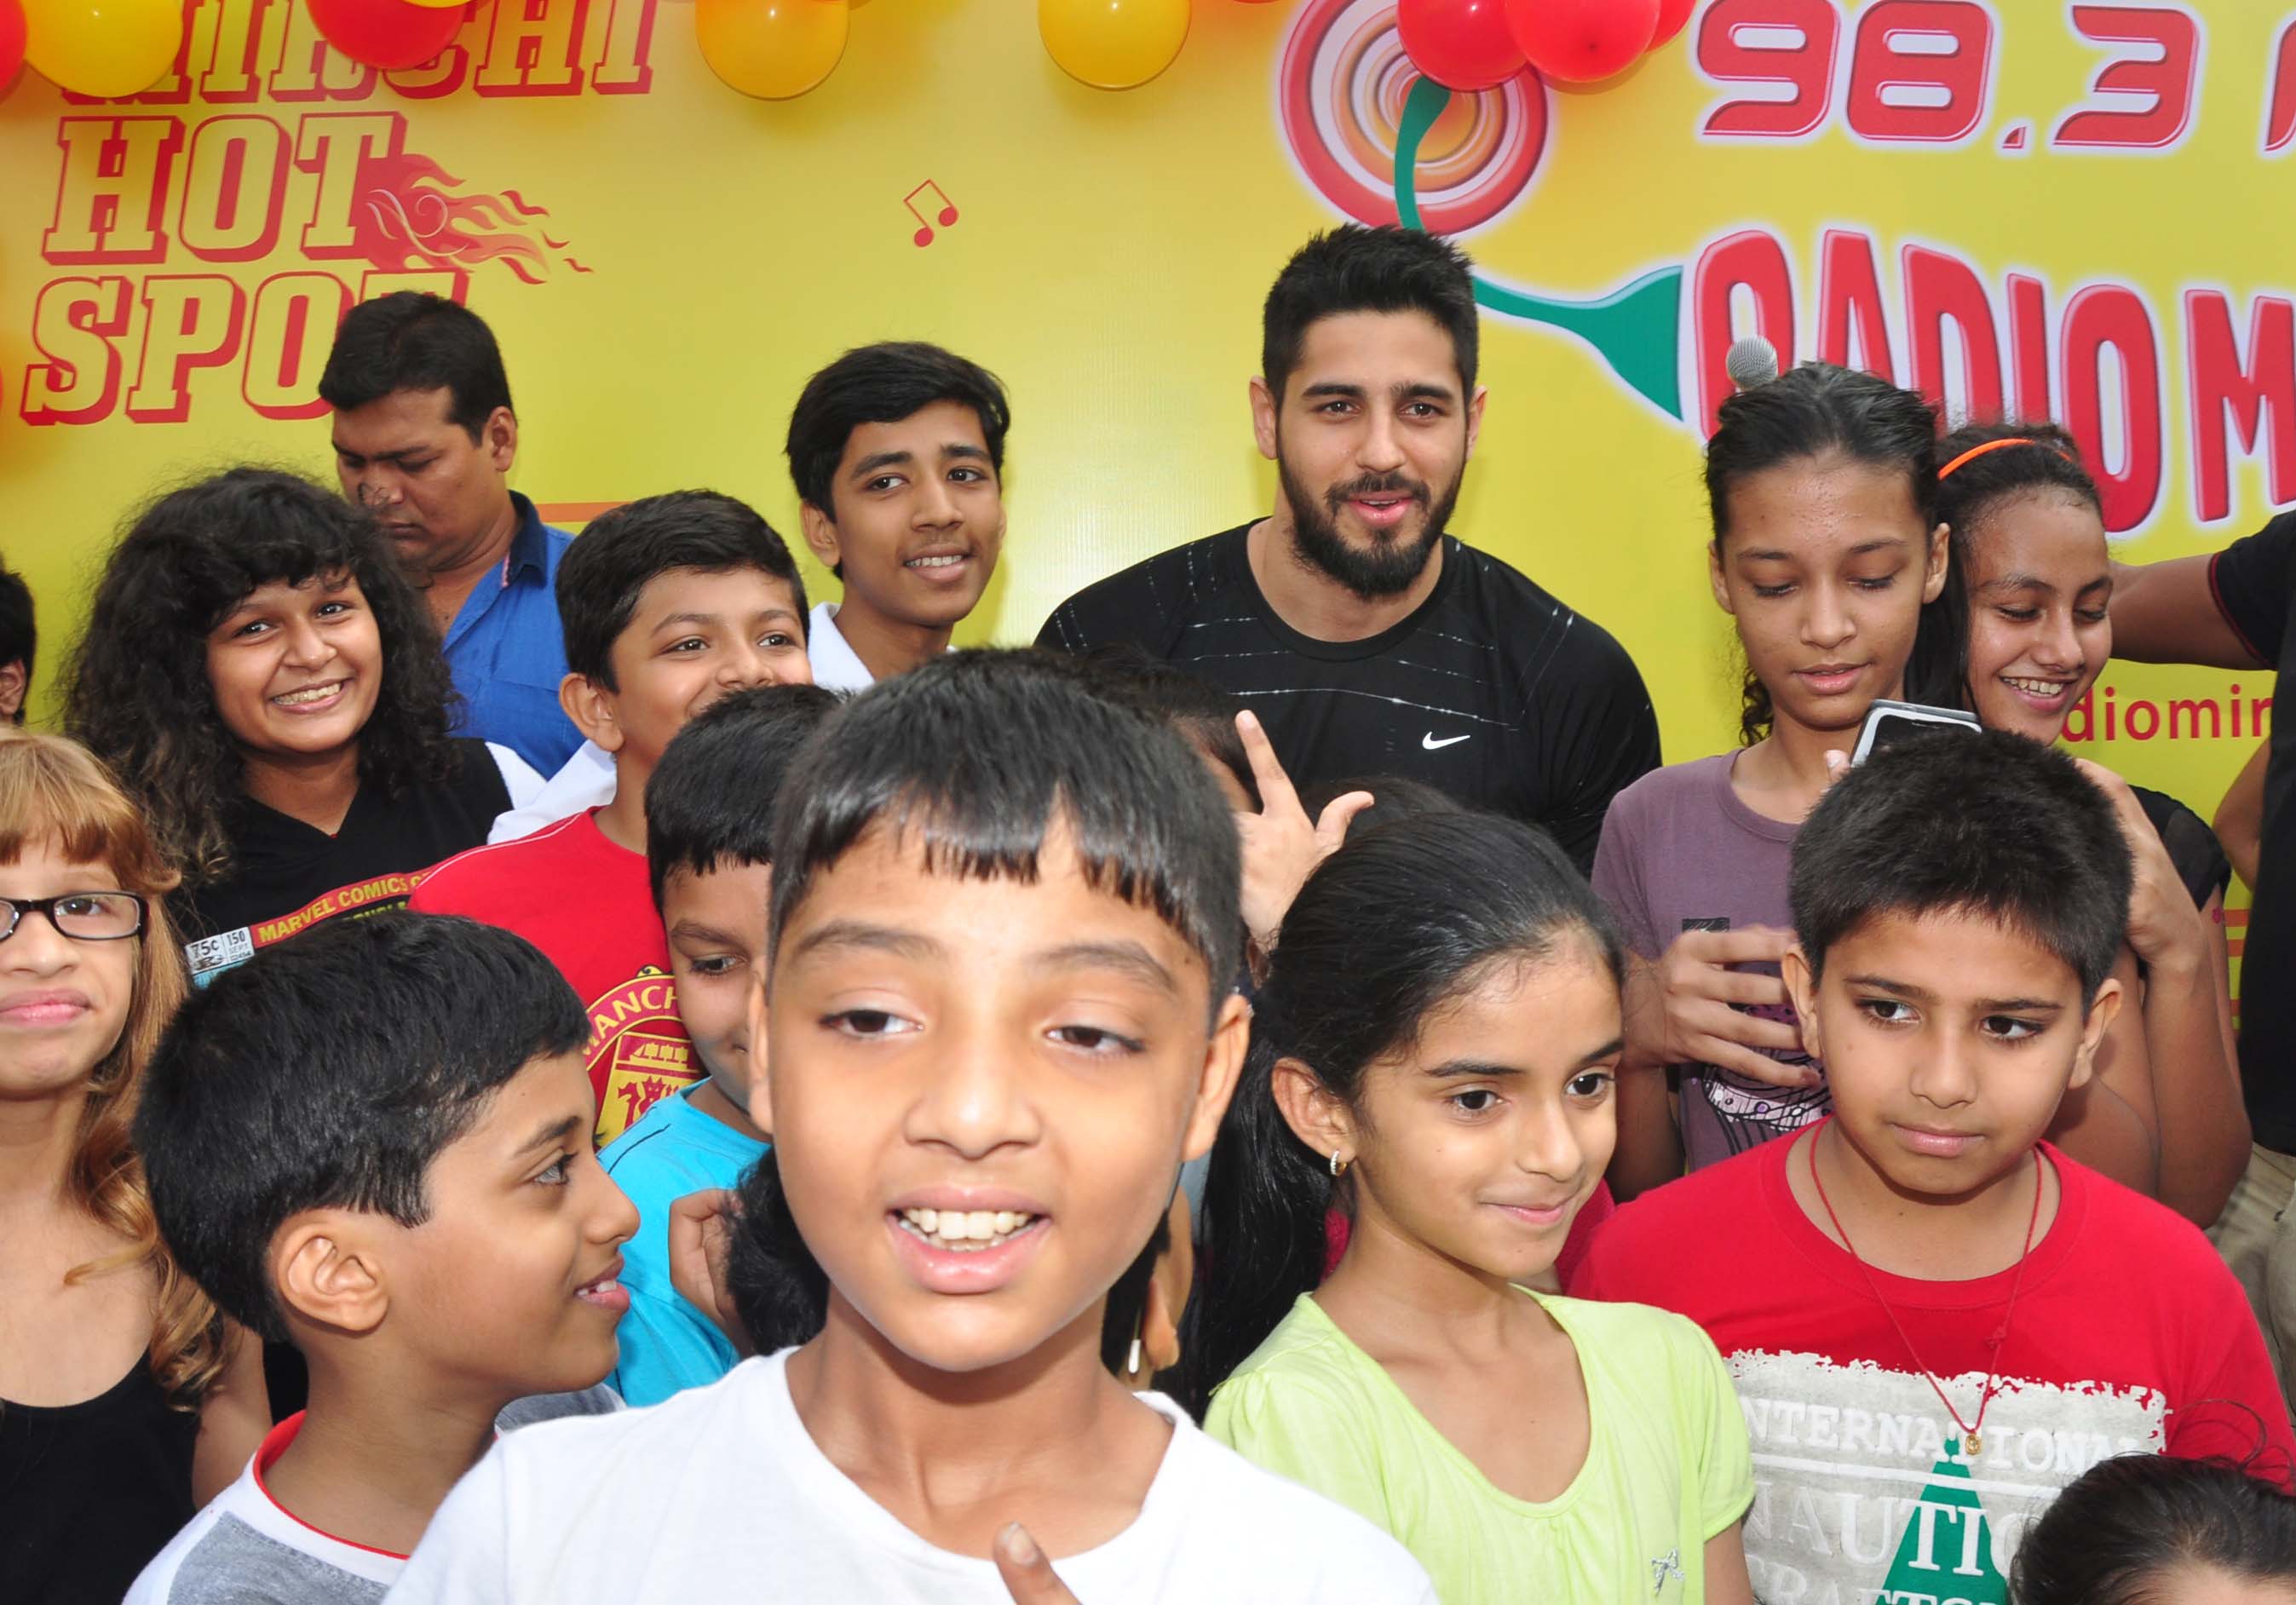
pixel 438 495
pixel 1371 439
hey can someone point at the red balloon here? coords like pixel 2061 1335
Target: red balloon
pixel 1462 44
pixel 1581 41
pixel 1672 16
pixel 389 33
pixel 11 40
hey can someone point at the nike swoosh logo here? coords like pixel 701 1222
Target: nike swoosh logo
pixel 1432 745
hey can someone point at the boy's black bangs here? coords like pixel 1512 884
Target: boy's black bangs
pixel 979 762
pixel 2046 928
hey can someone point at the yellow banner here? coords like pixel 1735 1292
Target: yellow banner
pixel 2071 209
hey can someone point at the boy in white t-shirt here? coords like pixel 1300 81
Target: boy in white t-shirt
pixel 372 1142
pixel 1004 916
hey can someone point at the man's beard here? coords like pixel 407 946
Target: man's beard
pixel 1390 565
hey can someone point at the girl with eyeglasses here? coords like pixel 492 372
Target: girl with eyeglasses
pixel 125 1400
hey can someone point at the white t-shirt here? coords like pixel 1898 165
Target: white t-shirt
pixel 245 1546
pixel 836 665
pixel 584 782
pixel 719 1492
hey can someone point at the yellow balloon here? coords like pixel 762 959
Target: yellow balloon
pixel 438 5
pixel 1112 43
pixel 104 47
pixel 773 49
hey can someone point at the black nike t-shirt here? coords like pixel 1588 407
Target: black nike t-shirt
pixel 287 876
pixel 2255 582
pixel 1492 690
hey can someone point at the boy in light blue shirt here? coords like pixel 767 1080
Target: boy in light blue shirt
pixel 708 810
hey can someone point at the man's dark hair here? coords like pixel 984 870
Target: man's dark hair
pixel 1353 268
pixel 1981 823
pixel 330 1072
pixel 711 804
pixel 883 384
pixel 1202 712
pixel 20 634
pixel 408 341
pixel 618 552
pixel 980 753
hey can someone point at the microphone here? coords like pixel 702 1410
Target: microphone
pixel 1751 361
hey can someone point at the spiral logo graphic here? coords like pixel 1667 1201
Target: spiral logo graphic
pixel 1340 83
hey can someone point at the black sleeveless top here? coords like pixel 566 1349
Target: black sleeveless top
pixel 90 1492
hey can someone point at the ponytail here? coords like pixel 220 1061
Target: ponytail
pixel 1266 1200
pixel 1388 929
pixel 779 1288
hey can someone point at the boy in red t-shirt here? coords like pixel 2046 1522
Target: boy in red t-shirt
pixel 1936 1321
pixel 667 604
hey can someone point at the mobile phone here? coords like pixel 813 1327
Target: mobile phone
pixel 1887 721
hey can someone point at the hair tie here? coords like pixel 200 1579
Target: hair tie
pixel 1994 445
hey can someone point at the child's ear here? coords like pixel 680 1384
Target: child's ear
pixel 1941 559
pixel 326 1269
pixel 1802 989
pixel 820 533
pixel 1315 1116
pixel 2101 1015
pixel 1715 578
pixel 590 707
pixel 1216 1082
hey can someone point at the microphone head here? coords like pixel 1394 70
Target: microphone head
pixel 1751 361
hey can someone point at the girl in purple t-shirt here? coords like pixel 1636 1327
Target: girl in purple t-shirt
pixel 1826 555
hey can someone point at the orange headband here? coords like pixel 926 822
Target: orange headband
pixel 1994 445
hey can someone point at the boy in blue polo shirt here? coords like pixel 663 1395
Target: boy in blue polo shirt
pixel 709 812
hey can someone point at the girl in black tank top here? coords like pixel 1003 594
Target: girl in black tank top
pixel 110 1362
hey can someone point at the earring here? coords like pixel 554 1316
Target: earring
pixel 1339 1165
pixel 1132 1365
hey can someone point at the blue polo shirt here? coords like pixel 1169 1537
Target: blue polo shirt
pixel 506 653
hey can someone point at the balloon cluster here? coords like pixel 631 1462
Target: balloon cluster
pixel 113 48
pixel 1470 44
pixel 776 49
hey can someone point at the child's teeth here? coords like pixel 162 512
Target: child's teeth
pixel 965 1229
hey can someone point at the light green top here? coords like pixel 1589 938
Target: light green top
pixel 1667 1466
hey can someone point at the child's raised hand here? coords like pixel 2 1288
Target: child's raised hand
pixel 701 1228
pixel 1028 1575
pixel 1282 847
pixel 2163 920
pixel 1692 1010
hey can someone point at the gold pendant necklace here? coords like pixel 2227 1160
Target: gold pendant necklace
pixel 1972 1441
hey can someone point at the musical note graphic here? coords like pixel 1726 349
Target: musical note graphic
pixel 946 216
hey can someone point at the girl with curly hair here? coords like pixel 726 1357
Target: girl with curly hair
pixel 125 1401
pixel 270 689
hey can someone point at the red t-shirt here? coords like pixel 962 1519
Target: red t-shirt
pixel 586 904
pixel 2128 1334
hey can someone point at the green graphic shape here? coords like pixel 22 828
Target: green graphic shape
pixel 1633 328
pixel 1947 1550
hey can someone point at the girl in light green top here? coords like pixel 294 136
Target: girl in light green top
pixel 1434 1053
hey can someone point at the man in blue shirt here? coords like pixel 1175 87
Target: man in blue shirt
pixel 424 436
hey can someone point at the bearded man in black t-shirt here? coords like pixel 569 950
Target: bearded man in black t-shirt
pixel 1367 637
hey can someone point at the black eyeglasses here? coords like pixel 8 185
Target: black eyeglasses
pixel 82 916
